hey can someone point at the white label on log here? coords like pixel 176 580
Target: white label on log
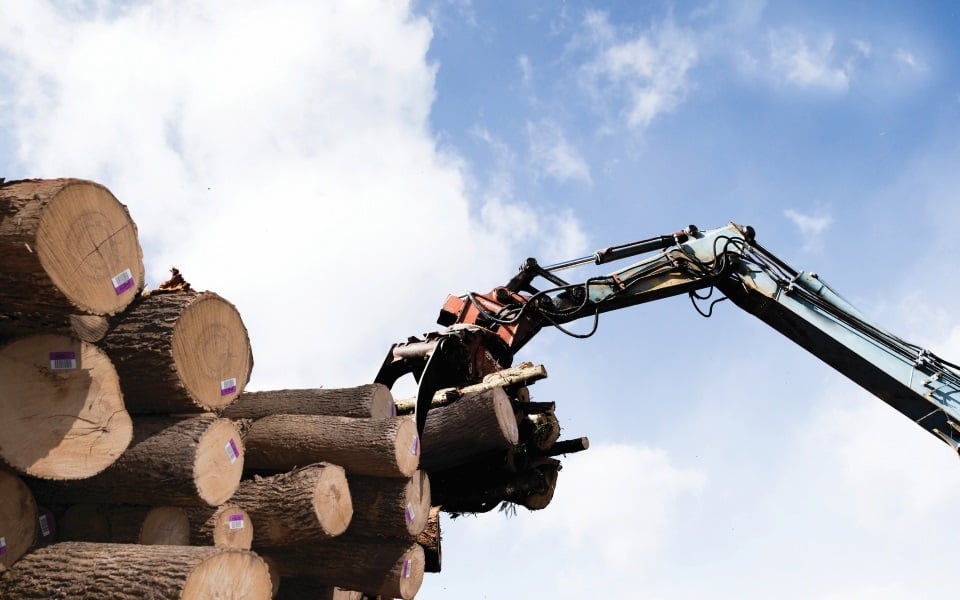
pixel 228 386
pixel 232 452
pixel 406 569
pixel 236 522
pixel 415 446
pixel 44 526
pixel 410 513
pixel 63 360
pixel 123 281
pixel 3 546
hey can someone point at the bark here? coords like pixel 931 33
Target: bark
pixel 366 401
pixel 477 423
pixel 66 246
pixel 477 488
pixel 391 568
pixel 430 539
pixel 18 518
pixel 305 505
pixel 126 524
pixel 566 447
pixel 309 588
pixel 63 412
pixel 393 508
pixel 180 352
pixel 375 447
pixel 179 462
pixel 227 525
pixel 513 380
pixel 81 570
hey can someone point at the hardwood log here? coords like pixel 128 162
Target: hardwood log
pixel 513 380
pixel 303 588
pixel 429 539
pixel 477 423
pixel 376 447
pixel 172 461
pixel 83 570
pixel 126 524
pixel 478 487
pixel 89 328
pixel 380 566
pixel 18 518
pixel 63 412
pixel 180 352
pixel 66 246
pixel 393 508
pixel 226 525
pixel 374 401
pixel 304 505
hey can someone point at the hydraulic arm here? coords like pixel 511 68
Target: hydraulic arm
pixel 483 331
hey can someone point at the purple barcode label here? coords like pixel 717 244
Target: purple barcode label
pixel 415 446
pixel 3 546
pixel 44 526
pixel 406 569
pixel 228 386
pixel 63 360
pixel 236 521
pixel 123 282
pixel 409 513
pixel 232 452
pixel 393 409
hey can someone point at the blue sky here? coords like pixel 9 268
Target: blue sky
pixel 335 169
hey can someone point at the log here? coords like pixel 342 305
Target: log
pixel 63 412
pixel 66 246
pixel 393 508
pixel 18 519
pixel 375 447
pixel 513 379
pixel 89 328
pixel 227 525
pixel 477 487
pixel 180 352
pixel 477 423
pixel 172 461
pixel 430 540
pixel 83 570
pixel 304 505
pixel 126 524
pixel 302 588
pixel 373 401
pixel 384 567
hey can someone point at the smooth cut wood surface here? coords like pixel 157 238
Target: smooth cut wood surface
pixel 18 518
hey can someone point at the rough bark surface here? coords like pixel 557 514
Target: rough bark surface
pixel 305 505
pixel 366 401
pixel 375 447
pixel 227 525
pixel 475 424
pixel 65 245
pixel 393 508
pixel 430 540
pixel 80 570
pixel 18 518
pixel 391 568
pixel 63 412
pixel 180 352
pixel 302 588
pixel 179 462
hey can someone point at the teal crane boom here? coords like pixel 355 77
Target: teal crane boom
pixel 482 332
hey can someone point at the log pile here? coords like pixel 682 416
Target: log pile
pixel 135 464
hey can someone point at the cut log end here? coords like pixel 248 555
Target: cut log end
pixel 87 244
pixel 218 463
pixel 167 526
pixel 407 447
pixel 211 351
pixel 232 527
pixel 407 577
pixel 332 502
pixel 18 518
pixel 62 406
pixel 229 574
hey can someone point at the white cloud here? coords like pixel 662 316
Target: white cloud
pixel 811 226
pixel 279 155
pixel 526 69
pixel 651 70
pixel 554 156
pixel 800 62
pixel 907 59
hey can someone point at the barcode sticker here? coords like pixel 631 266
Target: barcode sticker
pixel 228 386
pixel 63 360
pixel 236 522
pixel 415 446
pixel 44 526
pixel 406 569
pixel 3 546
pixel 123 281
pixel 232 452
pixel 410 514
pixel 393 409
